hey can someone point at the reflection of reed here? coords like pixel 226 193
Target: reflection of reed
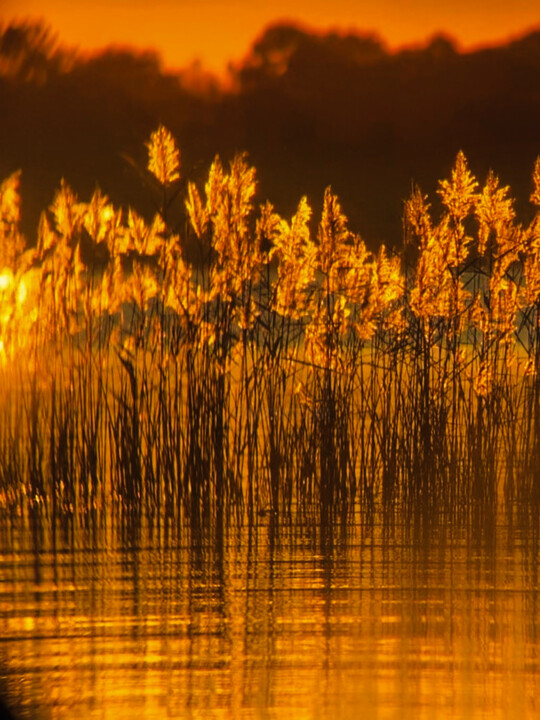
pixel 119 609
pixel 284 369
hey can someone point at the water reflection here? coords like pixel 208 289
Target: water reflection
pixel 111 615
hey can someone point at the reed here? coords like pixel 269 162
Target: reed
pixel 288 368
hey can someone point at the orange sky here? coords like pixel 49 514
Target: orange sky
pixel 217 31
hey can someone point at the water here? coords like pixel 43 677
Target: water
pixel 107 616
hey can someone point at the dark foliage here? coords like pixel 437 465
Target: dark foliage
pixel 310 109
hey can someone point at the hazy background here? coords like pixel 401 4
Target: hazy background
pixel 311 105
pixel 219 31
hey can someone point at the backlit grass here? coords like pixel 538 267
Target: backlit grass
pixel 287 366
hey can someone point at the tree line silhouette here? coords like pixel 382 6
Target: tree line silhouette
pixel 311 109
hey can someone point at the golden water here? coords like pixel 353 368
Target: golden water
pixel 103 617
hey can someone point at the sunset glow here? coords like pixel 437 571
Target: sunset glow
pixel 269 359
pixel 217 32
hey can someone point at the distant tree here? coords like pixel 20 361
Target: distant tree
pixel 284 44
pixel 29 52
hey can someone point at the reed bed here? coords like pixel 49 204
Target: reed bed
pixel 286 367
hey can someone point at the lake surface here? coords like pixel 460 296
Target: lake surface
pixel 109 615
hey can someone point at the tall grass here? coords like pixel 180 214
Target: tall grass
pixel 287 368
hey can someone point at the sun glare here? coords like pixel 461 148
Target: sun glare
pixel 6 279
